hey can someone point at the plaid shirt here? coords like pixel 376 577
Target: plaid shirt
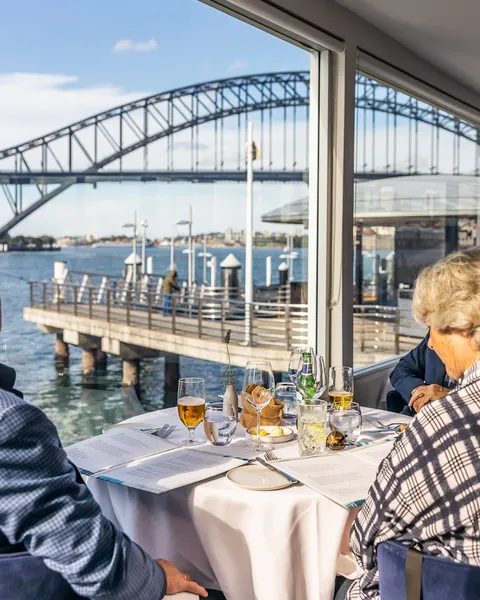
pixel 44 508
pixel 427 491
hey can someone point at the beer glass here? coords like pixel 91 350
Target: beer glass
pixel 340 386
pixel 191 406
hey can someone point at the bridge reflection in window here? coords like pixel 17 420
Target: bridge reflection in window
pixel 417 198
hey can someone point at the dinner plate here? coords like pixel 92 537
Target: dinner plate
pixel 147 427
pixel 288 434
pixel 257 477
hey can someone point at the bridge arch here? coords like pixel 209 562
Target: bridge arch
pixel 165 114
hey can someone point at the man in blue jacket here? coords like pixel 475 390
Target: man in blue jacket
pixel 55 544
pixel 419 378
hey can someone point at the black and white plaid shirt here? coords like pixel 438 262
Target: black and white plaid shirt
pixel 427 491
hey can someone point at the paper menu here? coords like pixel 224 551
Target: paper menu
pixel 114 448
pixel 345 477
pixel 144 461
pixel 171 470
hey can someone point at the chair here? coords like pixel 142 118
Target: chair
pixel 406 574
pixel 24 577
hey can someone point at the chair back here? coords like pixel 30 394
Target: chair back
pixel 406 574
pixel 24 577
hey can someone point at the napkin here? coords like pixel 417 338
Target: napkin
pixel 270 415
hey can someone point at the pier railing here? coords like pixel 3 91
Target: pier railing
pixel 384 330
pixel 154 283
pixel 378 330
pixel 271 324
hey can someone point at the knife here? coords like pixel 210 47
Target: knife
pixel 275 470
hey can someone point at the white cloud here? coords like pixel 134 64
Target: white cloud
pixel 32 104
pixel 237 66
pixel 132 46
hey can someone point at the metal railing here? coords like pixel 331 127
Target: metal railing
pixel 154 283
pixel 385 330
pixel 271 324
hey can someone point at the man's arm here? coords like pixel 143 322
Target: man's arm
pixel 410 371
pixel 58 520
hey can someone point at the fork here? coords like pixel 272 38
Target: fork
pixel 166 430
pixel 270 455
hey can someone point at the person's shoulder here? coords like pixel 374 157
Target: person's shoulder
pixel 16 413
pixel 9 400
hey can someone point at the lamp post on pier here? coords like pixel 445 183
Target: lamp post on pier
pixel 252 154
pixel 144 225
pixel 191 275
pixel 134 244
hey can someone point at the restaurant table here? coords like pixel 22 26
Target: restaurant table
pixel 252 545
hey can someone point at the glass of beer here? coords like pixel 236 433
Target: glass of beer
pixel 340 387
pixel 191 406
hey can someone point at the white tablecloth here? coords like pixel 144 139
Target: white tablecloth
pixel 281 545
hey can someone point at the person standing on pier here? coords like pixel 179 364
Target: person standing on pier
pixel 170 285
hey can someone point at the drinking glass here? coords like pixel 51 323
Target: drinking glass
pixel 294 362
pixel 340 386
pixel 258 373
pixel 220 424
pixel 191 406
pixel 286 393
pixel 346 420
pixel 312 427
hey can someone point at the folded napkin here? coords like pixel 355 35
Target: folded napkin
pixel 270 415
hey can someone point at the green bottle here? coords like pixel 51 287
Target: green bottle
pixel 306 385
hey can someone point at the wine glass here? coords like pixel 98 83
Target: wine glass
pixel 311 376
pixel 259 389
pixel 320 374
pixel 191 406
pixel 340 386
pixel 294 362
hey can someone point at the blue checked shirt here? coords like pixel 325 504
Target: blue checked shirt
pixel 44 508
pixel 427 491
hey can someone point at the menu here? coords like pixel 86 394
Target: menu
pixel 345 477
pixel 144 461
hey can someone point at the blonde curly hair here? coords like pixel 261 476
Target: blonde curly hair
pixel 447 294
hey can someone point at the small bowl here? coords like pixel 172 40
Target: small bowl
pixel 288 434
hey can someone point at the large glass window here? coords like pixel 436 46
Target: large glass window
pixel 417 198
pixel 144 130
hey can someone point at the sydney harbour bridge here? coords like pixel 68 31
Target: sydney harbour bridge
pixel 197 134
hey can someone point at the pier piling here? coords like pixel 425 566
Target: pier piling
pixel 61 350
pixel 88 361
pixel 131 373
pixel 172 375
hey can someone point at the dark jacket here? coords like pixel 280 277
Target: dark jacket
pixel 7 380
pixel 419 367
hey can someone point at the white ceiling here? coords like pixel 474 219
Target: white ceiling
pixel 445 32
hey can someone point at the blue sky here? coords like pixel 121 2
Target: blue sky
pixel 73 59
pixel 194 42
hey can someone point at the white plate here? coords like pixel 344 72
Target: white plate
pixel 257 477
pixel 136 426
pixel 288 434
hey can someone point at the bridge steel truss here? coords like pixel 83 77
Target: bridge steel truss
pixel 79 153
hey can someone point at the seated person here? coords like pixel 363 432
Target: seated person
pixel 419 377
pixel 427 489
pixel 47 511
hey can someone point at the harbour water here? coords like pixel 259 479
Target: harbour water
pixel 79 407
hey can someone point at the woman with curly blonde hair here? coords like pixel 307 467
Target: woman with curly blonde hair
pixel 427 491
